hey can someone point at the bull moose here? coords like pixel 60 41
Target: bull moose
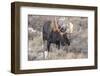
pixel 55 34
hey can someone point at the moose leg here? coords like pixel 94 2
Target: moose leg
pixel 48 46
pixel 58 45
pixel 45 54
pixel 47 50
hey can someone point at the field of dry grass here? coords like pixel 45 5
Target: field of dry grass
pixel 77 49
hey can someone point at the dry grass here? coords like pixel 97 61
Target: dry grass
pixel 66 55
pixel 36 51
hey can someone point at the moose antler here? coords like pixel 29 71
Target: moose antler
pixel 56 25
